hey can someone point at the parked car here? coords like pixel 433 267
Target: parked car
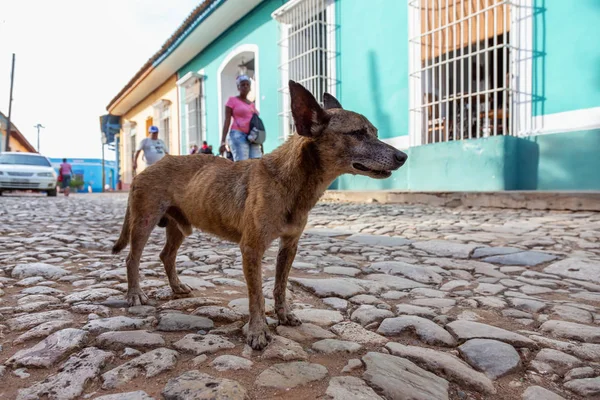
pixel 27 171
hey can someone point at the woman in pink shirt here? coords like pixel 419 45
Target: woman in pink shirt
pixel 66 172
pixel 238 113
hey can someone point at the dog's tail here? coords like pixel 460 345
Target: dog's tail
pixel 123 240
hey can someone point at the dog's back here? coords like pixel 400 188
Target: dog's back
pixel 214 187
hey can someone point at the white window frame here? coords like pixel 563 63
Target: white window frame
pixel 294 9
pixel 129 133
pixel 244 48
pixel 520 98
pixel 184 83
pixel 162 112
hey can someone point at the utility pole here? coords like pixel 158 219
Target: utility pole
pixel 38 126
pixel 8 125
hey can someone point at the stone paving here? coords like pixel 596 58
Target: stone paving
pixel 398 302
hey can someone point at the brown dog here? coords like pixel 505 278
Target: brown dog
pixel 253 202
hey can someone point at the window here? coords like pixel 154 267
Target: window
pixel 192 119
pixel 192 112
pixel 162 114
pixel 307 50
pixel 133 140
pixel 462 69
pixel 130 144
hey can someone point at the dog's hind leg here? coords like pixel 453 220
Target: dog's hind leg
pixel 141 229
pixel 169 255
pixel 285 257
pixel 258 331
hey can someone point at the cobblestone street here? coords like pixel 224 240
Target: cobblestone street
pixel 398 302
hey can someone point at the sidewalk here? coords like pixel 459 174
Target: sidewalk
pixel 532 200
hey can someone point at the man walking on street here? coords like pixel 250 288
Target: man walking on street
pixel 154 148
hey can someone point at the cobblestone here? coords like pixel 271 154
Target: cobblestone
pixel 433 286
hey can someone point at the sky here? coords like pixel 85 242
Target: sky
pixel 72 58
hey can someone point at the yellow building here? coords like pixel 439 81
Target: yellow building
pixel 140 107
pixel 17 141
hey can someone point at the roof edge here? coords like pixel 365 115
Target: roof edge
pixel 14 131
pixel 189 24
pixel 210 8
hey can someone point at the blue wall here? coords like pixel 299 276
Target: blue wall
pixel 91 168
pixel 566 62
pixel 373 62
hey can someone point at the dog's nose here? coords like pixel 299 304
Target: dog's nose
pixel 400 158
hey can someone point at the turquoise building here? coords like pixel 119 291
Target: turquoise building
pixel 483 95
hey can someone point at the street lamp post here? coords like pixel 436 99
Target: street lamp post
pixel 38 126
pixel 10 99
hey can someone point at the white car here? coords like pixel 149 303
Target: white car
pixel 27 171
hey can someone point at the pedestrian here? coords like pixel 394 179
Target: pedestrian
pixel 238 113
pixel 154 148
pixel 205 149
pixel 194 149
pixel 66 172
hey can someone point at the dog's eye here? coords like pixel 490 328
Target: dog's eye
pixel 359 133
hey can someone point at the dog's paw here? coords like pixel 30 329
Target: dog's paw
pixel 181 289
pixel 258 339
pixel 289 319
pixel 136 298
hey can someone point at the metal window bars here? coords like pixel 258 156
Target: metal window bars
pixel 464 60
pixel 193 110
pixel 307 52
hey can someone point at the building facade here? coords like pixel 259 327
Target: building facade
pixel 89 172
pixel 17 142
pixel 483 95
pixel 138 112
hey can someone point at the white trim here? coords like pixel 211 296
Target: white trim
pixel 414 88
pixel 568 121
pixel 521 12
pixel 232 54
pixel 284 103
pixel 162 103
pixel 203 115
pixel 399 142
pixel 331 43
pixel 188 78
pixel 285 8
pixel 129 124
pixel 227 14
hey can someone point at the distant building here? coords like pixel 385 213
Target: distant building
pixel 17 140
pixel 89 170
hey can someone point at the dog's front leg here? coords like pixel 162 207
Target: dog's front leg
pixel 258 331
pixel 285 257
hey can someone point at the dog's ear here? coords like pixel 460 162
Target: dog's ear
pixel 309 117
pixel 330 102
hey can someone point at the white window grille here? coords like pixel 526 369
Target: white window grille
pixel 467 78
pixel 133 144
pixel 194 123
pixel 307 51
pixel 162 113
pixel 192 120
pixel 130 145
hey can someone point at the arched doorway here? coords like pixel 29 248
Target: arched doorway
pixel 243 59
